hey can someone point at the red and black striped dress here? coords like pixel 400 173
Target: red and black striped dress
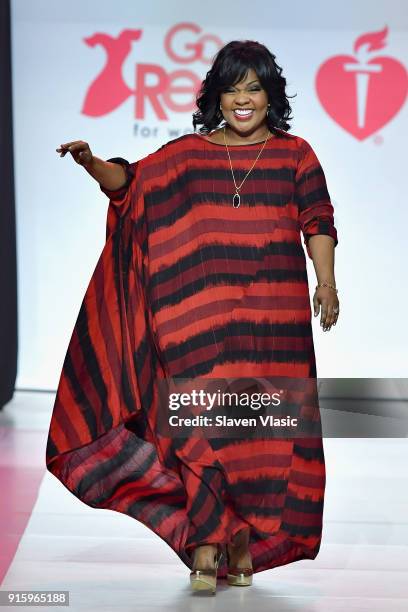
pixel 189 286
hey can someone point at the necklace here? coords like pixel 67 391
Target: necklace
pixel 236 199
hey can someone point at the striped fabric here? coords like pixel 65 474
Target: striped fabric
pixel 188 286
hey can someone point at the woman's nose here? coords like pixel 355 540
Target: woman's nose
pixel 242 100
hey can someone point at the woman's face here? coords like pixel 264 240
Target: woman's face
pixel 246 95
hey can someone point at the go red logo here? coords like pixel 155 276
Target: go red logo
pixel 364 91
pixel 109 90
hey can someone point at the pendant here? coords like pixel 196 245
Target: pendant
pixel 236 200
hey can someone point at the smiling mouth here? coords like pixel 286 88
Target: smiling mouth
pixel 243 116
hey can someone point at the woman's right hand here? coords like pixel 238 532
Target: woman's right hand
pixel 110 176
pixel 79 150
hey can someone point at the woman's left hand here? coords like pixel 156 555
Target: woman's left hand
pixel 329 302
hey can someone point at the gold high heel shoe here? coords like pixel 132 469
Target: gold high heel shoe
pixel 238 576
pixel 206 579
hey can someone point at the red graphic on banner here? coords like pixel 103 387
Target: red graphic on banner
pixel 362 93
pixel 108 91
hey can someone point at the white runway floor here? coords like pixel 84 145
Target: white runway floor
pixel 108 561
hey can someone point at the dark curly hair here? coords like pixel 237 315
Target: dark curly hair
pixel 230 66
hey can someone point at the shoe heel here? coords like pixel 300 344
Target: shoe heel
pixel 239 576
pixel 205 580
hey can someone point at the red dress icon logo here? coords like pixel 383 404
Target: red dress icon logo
pixel 362 93
pixel 109 90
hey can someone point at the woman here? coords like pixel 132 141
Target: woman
pixel 203 275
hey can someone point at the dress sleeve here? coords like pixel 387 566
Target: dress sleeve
pixel 316 213
pixel 120 199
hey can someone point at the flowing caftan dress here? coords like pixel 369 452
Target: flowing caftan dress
pixel 188 286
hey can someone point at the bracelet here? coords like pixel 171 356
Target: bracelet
pixel 324 284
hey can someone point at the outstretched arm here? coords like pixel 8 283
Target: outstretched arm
pixel 111 176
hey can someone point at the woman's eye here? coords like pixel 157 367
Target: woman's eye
pixel 252 89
